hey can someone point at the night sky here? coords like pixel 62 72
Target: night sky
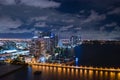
pixel 92 19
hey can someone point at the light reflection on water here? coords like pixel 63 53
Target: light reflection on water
pixel 118 76
pixel 53 73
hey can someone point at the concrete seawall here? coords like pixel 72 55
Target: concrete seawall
pixel 8 69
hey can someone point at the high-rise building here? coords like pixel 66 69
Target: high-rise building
pixel 37 47
pixel 43 42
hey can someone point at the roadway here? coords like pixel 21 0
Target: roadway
pixel 77 67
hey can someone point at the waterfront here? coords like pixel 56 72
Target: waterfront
pixel 96 55
pixel 53 73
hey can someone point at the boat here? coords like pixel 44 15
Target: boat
pixel 37 72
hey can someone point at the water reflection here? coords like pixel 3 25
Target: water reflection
pixel 118 76
pixel 54 73
pixel 90 74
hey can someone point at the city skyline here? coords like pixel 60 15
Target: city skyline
pixel 92 19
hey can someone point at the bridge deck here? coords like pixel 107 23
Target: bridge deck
pixel 76 67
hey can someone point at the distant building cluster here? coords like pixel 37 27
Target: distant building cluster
pixel 13 48
pixel 70 42
pixel 44 43
pixel 45 46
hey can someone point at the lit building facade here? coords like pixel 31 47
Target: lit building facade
pixel 64 43
pixel 43 43
pixel 75 40
pixel 37 47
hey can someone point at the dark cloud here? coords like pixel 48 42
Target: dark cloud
pixel 92 19
pixel 34 3
pixel 114 11
pixel 74 6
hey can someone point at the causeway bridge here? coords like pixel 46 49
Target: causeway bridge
pixel 56 65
